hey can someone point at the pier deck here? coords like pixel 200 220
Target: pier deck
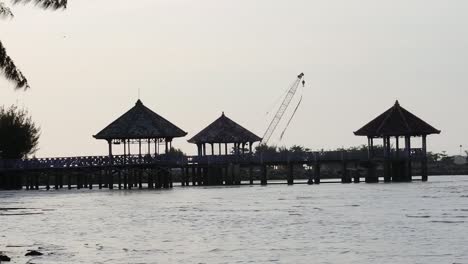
pixel 155 171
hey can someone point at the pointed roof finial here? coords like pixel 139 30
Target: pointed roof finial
pixel 138 102
pixel 222 114
pixel 397 103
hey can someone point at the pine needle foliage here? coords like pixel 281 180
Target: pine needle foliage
pixel 19 135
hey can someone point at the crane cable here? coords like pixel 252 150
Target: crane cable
pixel 290 119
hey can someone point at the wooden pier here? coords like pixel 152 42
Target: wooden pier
pixel 220 165
pixel 155 172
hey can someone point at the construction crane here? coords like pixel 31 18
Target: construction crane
pixel 282 109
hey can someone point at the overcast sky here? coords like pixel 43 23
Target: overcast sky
pixel 194 59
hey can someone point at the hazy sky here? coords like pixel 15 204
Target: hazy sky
pixel 194 59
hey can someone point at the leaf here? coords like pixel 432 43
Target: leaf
pixel 46 4
pixel 11 72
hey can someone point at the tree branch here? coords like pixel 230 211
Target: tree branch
pixel 5 11
pixel 46 4
pixel 11 72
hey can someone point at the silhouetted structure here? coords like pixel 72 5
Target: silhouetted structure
pixel 397 123
pixel 224 131
pixel 140 125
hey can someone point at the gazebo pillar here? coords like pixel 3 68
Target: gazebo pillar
pixel 139 148
pixel 199 150
pixel 212 149
pixel 226 149
pixel 125 151
pixel 368 148
pixel 149 146
pixel 219 148
pixel 397 146
pixel 111 158
pixel 424 159
pixel 166 146
pixel 408 159
pixel 396 163
pixel 387 159
pixel 128 147
pixel 155 147
pixel 250 147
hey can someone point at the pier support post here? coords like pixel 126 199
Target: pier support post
pixel 79 181
pixel 205 176
pixel 264 179
pixel 47 176
pixel 90 180
pixel 140 179
pixel 150 179
pixel 290 174
pixel 119 176
pixel 61 180
pixel 111 180
pixel 30 181
pixel 224 175
pixel 310 178
pixel 158 181
pixel 166 180
pixel 37 181
pixel 387 171
pixel 317 175
pixel 371 174
pixel 57 181
pixel 357 174
pixel 199 176
pixel 187 176
pixel 183 176
pixel 129 173
pixel 85 180
pixel 345 178
pixel 125 178
pixel 27 181
pixel 100 179
pixel 69 181
pixel 251 179
pixel 194 176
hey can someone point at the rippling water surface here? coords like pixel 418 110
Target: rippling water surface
pixel 328 223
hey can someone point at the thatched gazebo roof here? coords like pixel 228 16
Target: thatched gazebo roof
pixel 396 121
pixel 224 130
pixel 140 123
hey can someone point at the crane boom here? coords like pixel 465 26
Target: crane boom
pixel 282 109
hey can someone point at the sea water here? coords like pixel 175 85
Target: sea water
pixel 419 222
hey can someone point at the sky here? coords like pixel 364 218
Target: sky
pixel 192 60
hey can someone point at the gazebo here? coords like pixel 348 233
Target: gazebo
pixel 396 123
pixel 140 125
pixel 223 131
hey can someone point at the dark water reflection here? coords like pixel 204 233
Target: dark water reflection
pixel 330 223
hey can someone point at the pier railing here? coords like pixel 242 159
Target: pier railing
pixel 179 161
